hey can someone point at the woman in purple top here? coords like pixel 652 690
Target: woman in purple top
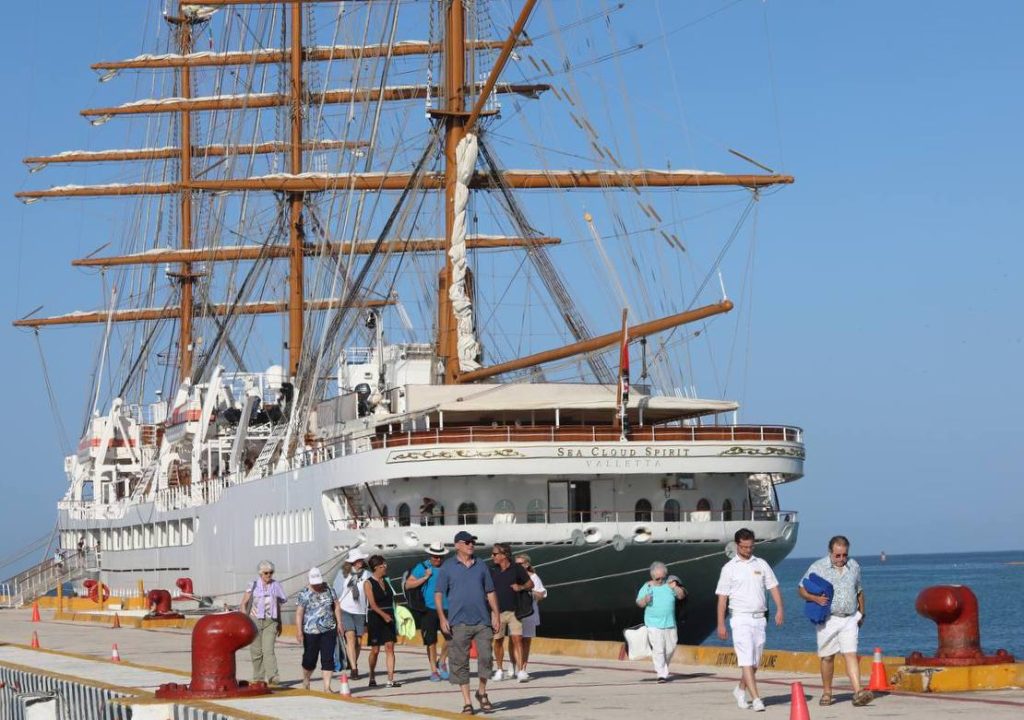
pixel 262 602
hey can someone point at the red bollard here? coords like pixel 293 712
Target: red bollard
pixel 159 602
pixel 954 608
pixel 215 639
pixel 184 586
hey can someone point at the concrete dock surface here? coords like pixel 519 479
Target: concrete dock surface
pixel 562 687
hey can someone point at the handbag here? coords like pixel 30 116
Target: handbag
pixel 524 604
pixel 638 644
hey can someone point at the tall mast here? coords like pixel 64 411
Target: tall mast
pixel 185 276
pixel 455 128
pixel 296 234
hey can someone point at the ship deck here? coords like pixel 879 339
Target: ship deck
pixel 571 688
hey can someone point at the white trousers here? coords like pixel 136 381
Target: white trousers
pixel 663 646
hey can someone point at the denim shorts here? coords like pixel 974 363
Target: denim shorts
pixel 353 623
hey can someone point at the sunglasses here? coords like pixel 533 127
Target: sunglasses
pixel 468 542
pixel 496 554
pixel 267 573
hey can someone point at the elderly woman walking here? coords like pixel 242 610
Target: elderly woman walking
pixel 262 602
pixel 658 599
pixel 317 619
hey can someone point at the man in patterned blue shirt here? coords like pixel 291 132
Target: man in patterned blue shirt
pixel 838 634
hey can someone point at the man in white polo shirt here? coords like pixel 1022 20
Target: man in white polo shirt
pixel 741 586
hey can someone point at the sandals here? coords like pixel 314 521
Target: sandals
pixel 485 702
pixel 467 709
pixel 862 698
pixel 825 700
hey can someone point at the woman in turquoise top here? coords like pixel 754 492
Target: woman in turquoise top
pixel 658 598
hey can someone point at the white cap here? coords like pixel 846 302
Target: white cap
pixel 315 577
pixel 356 554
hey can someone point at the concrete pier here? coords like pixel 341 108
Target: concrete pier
pixel 569 688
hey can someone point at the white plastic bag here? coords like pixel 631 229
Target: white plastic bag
pixel 638 645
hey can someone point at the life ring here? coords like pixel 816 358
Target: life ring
pixel 93 588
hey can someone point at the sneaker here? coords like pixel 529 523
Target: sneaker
pixel 435 677
pixel 442 670
pixel 522 676
pixel 498 675
pixel 741 698
pixel 662 681
pixel 397 684
pixel 757 705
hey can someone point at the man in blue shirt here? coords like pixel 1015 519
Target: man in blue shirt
pixel 472 614
pixel 839 633
pixel 424 576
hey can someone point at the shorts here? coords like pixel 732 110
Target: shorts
pixel 530 626
pixel 353 623
pixel 508 624
pixel 321 644
pixel 430 625
pixel 838 635
pixel 748 636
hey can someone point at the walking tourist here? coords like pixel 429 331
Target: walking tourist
pixel 509 578
pixel 380 619
pixel 841 616
pixel 420 585
pixel 472 614
pixel 348 586
pixel 262 602
pixel 741 587
pixel 531 622
pixel 317 619
pixel 658 598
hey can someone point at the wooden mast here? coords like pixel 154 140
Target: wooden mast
pixel 455 123
pixel 296 234
pixel 185 276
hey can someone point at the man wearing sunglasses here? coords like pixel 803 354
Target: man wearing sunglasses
pixel 839 633
pixel 471 613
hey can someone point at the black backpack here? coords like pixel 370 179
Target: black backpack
pixel 414 596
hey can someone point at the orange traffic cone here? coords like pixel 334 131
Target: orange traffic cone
pixel 472 650
pixel 798 703
pixel 879 681
pixel 345 689
pixel 115 656
pixel 35 612
pixel 35 640
pixel 117 622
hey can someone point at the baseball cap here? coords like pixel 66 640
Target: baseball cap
pixel 463 536
pixel 356 555
pixel 315 576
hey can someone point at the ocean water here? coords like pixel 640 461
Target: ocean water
pixel 891 589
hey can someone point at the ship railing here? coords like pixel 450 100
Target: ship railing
pixel 578 517
pixel 64 566
pixel 588 433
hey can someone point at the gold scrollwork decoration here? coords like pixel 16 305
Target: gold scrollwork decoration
pixel 455 454
pixel 770 450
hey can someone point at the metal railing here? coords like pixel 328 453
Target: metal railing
pixel 38 580
pixel 574 517
pixel 589 433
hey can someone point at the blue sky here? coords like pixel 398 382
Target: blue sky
pixel 889 287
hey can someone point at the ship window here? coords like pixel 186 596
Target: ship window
pixel 727 510
pixel 535 511
pixel 703 504
pixel 672 510
pixel 642 510
pixel 504 511
pixel 467 514
pixel 404 515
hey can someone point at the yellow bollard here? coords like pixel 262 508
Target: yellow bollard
pixel 142 589
pixel 60 597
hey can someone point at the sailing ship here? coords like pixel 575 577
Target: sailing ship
pixel 309 172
